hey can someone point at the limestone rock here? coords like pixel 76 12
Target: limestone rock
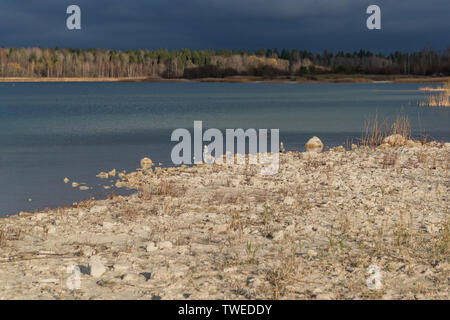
pixel 103 175
pixel 314 144
pixel 108 225
pixel 412 143
pixel 165 245
pixel 289 201
pixel 146 163
pixel 96 266
pixel 278 235
pixel 312 253
pixel 395 140
pixel 120 267
pixel 151 247
pixel 51 230
pixel 253 282
pixel 133 277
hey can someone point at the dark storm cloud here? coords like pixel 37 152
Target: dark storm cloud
pixel 305 24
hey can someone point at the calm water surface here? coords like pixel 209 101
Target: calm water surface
pixel 49 131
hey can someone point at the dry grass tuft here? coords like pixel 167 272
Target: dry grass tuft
pixel 437 100
pixel 164 188
pixel 89 203
pixel 389 159
pixel 375 130
pixel 2 239
pixel 10 234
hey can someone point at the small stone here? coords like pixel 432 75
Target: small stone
pixel 151 247
pixel 66 180
pixel 119 184
pixel 146 275
pixel 230 269
pixel 146 163
pixel 84 188
pixel 289 201
pixel 165 245
pixel 395 140
pixel 51 230
pixel 96 266
pixel 112 173
pixel 98 209
pixel 221 228
pixel 278 235
pixel 75 184
pixel 121 267
pixel 314 145
pixel 253 282
pixel 312 253
pixel 133 277
pixel 102 175
pixel 412 143
pixel 108 225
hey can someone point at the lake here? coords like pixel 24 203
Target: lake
pixel 49 131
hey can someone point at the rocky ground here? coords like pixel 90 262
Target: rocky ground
pixel 322 228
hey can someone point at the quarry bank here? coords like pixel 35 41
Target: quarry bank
pixel 311 231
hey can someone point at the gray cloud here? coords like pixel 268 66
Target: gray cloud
pixel 306 24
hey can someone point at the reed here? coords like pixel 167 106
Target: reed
pixel 438 100
pixel 2 239
pixel 375 129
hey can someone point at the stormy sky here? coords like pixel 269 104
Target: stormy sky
pixel 407 25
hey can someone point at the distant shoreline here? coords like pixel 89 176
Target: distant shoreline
pixel 323 78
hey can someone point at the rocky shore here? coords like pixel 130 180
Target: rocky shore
pixel 316 230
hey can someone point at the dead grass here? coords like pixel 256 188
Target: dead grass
pixel 389 159
pixel 442 99
pixel 2 239
pixel 164 188
pixel 375 129
pixel 84 204
pixel 10 234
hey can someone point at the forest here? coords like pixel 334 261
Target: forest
pixel 190 64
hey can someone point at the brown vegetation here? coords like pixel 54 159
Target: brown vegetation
pixel 376 130
pixel 437 100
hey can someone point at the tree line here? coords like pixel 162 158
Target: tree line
pixel 186 63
